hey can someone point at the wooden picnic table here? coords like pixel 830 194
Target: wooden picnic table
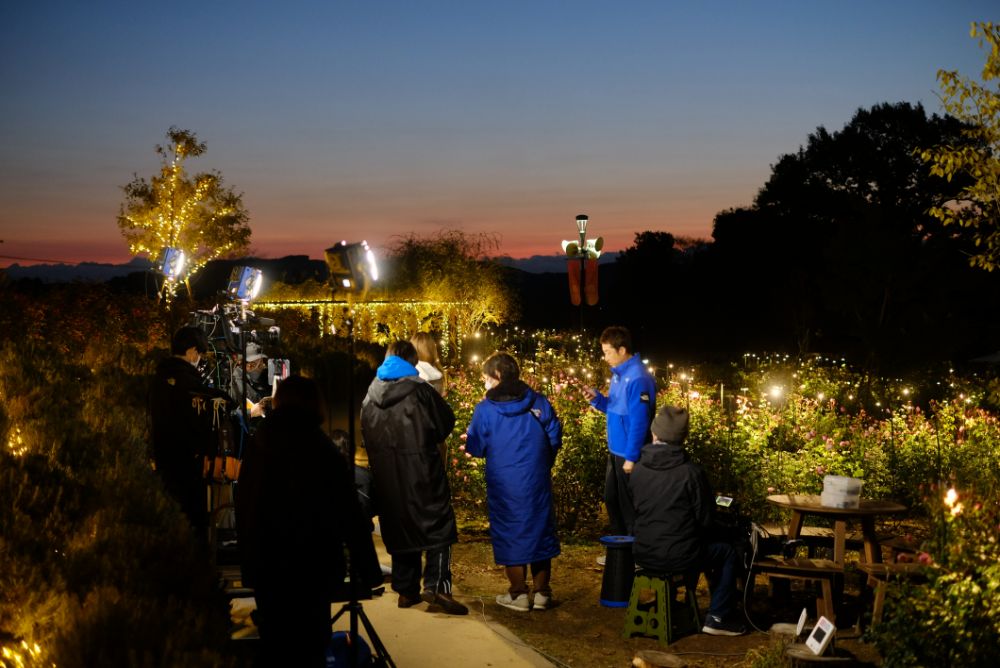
pixel 803 505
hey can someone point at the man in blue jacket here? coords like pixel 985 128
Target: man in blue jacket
pixel 630 407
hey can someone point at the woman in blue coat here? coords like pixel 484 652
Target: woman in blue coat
pixel 518 433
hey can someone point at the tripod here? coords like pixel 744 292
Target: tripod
pixel 353 606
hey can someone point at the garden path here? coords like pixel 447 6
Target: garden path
pixel 418 637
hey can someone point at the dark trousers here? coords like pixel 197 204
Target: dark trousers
pixel 721 569
pixel 618 497
pixel 437 572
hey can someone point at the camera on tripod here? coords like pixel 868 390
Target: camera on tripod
pixel 233 329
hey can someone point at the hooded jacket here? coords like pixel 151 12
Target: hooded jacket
pixel 674 504
pixel 630 407
pixel 518 433
pixel 432 375
pixel 403 419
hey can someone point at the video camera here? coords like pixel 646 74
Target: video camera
pixel 230 329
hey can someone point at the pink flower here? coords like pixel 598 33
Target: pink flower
pixel 770 490
pixel 454 462
pixel 462 448
pixel 925 559
pixel 820 470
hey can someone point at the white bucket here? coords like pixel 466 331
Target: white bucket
pixel 841 492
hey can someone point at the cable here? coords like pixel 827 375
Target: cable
pixel 756 533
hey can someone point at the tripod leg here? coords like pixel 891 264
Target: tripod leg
pixel 380 651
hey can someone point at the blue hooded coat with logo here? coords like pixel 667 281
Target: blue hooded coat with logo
pixel 518 433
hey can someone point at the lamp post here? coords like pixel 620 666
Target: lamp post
pixel 582 266
pixel 581 227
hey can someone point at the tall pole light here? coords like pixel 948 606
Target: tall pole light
pixel 581 227
pixel 581 266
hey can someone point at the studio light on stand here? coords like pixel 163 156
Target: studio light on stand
pixel 245 283
pixel 353 269
pixel 172 263
pixel 171 267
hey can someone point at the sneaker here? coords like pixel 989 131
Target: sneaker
pixel 601 560
pixel 716 627
pixel 519 604
pixel 540 602
pixel 445 602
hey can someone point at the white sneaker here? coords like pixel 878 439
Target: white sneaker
pixel 519 604
pixel 601 560
pixel 540 602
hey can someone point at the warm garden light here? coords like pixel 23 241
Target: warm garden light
pixel 172 263
pixel 775 392
pixel 245 283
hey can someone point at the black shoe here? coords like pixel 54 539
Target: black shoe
pixel 445 602
pixel 716 627
pixel 407 601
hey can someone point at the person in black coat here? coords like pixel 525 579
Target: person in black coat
pixel 181 410
pixel 403 419
pixel 674 512
pixel 296 512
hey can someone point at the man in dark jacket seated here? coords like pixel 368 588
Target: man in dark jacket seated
pixel 674 507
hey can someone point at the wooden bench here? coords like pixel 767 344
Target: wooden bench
pixel 881 574
pixel 825 572
pixel 813 537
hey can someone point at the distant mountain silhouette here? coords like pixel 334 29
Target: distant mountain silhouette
pixel 290 269
pixel 91 272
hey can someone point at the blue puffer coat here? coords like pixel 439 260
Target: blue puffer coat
pixel 518 433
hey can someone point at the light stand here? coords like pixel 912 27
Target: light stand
pixel 352 267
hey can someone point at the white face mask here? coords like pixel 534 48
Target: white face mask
pixel 491 382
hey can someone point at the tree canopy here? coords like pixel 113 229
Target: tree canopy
pixel 976 161
pixel 841 238
pixel 196 214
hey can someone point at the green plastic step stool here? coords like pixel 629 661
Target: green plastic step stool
pixel 658 620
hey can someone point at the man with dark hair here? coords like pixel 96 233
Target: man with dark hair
pixel 674 510
pixel 181 409
pixel 630 406
pixel 403 419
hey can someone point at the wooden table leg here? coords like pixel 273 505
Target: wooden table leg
pixel 795 525
pixel 839 541
pixel 873 551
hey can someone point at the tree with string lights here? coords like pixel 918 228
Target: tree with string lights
pixel 197 214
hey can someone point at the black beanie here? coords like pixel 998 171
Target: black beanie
pixel 671 424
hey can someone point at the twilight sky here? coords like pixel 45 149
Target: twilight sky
pixel 367 119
